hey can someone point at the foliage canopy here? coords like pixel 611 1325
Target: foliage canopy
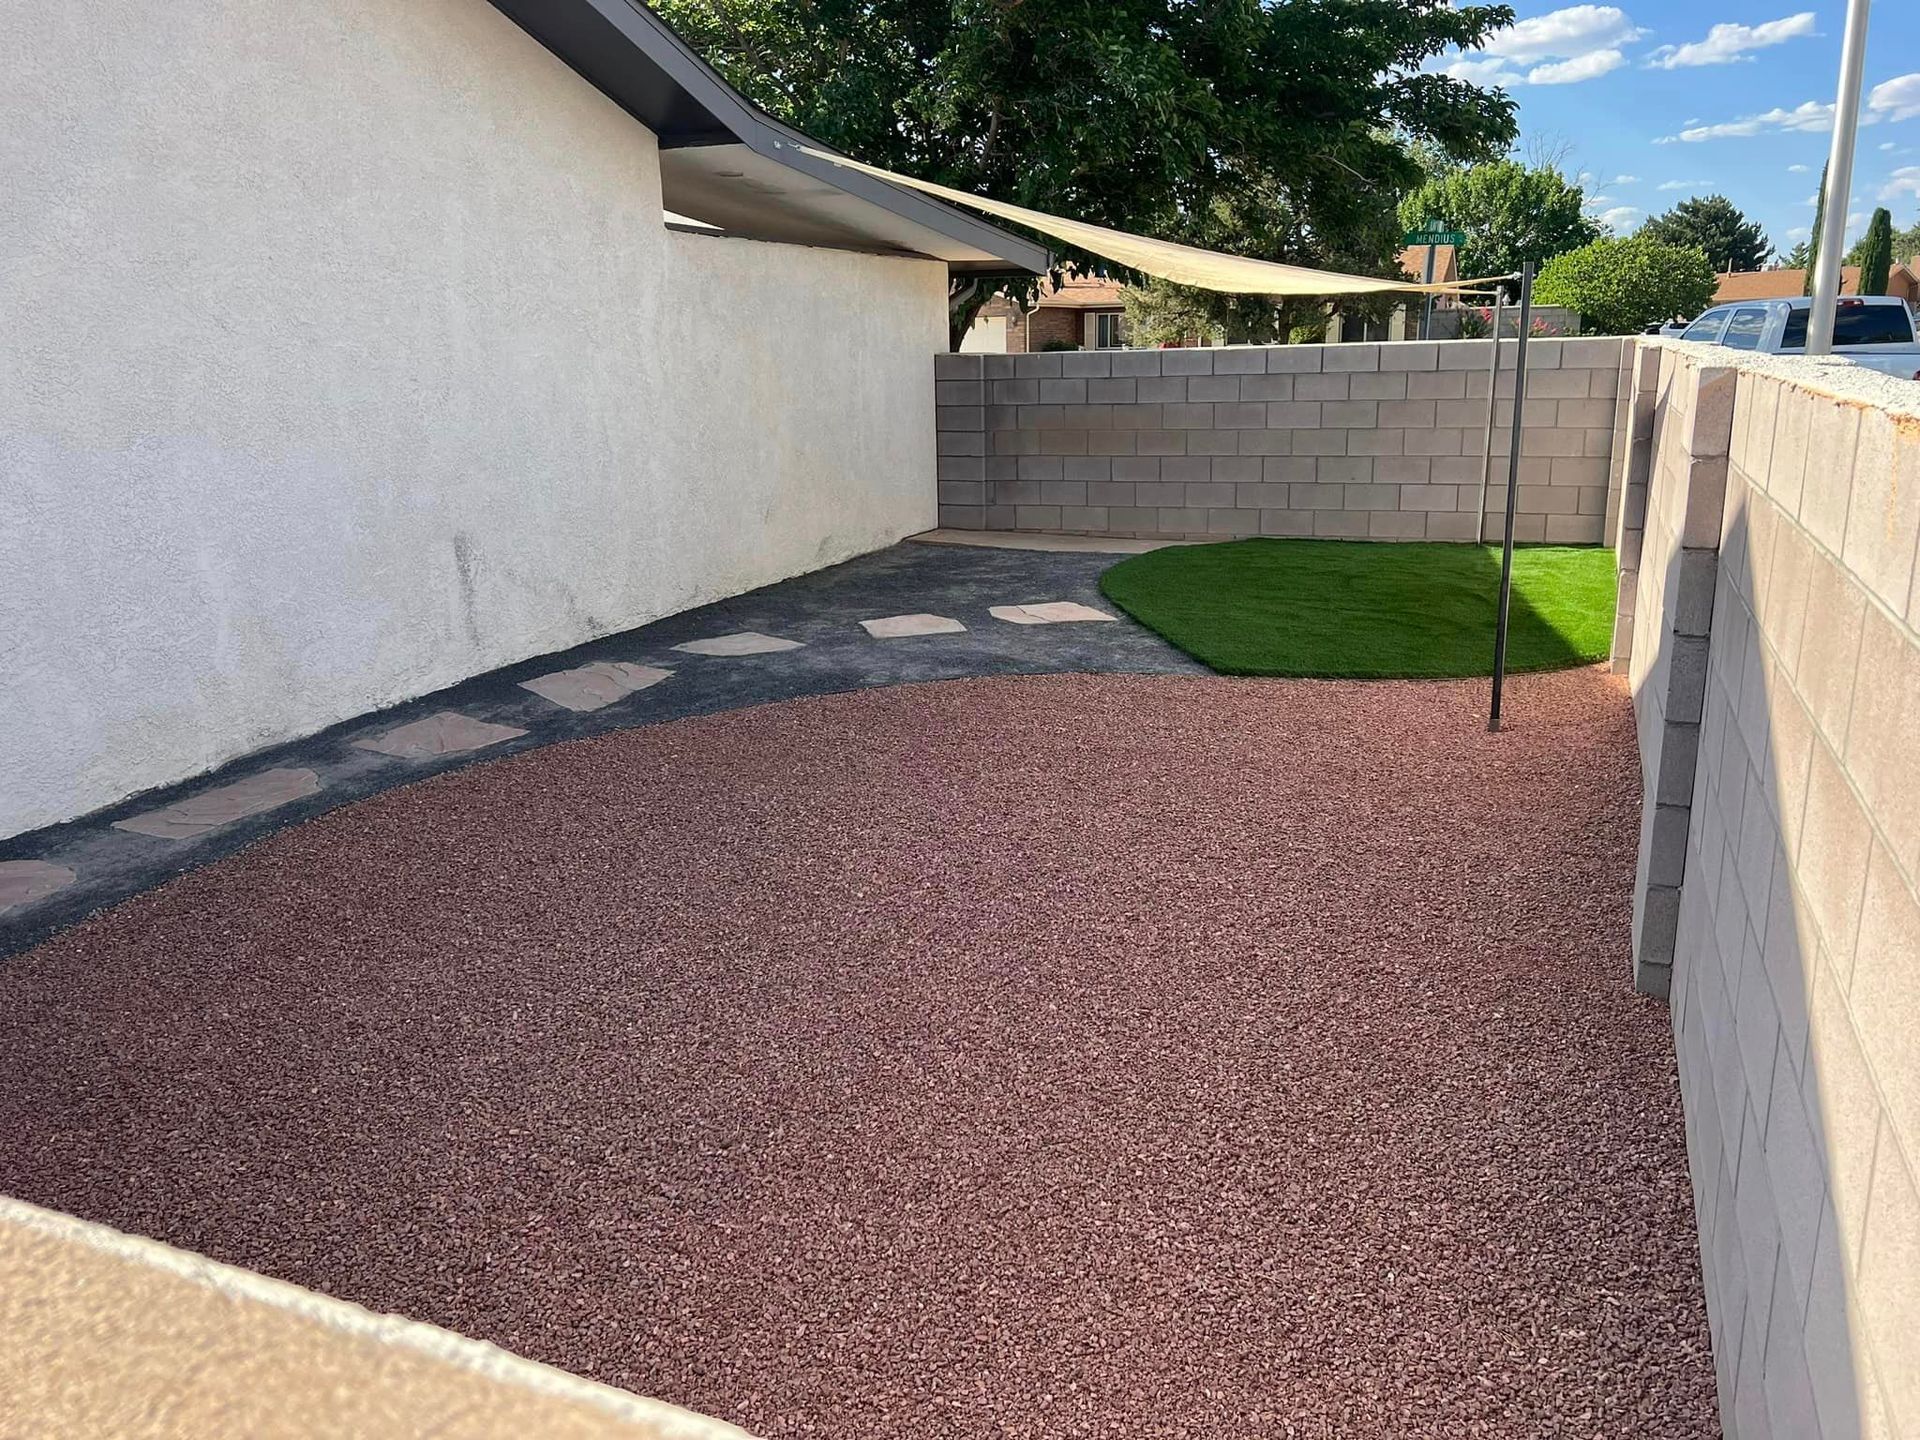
pixel 1621 286
pixel 1269 130
pixel 1715 225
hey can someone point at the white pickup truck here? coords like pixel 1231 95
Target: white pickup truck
pixel 1872 330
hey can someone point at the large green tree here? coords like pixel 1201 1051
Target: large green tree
pixel 1876 254
pixel 1713 224
pixel 1621 286
pixel 1510 213
pixel 1269 129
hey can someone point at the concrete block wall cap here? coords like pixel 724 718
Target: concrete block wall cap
pixel 1828 375
pixel 68 1289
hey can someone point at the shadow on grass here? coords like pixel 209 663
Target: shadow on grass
pixel 1366 610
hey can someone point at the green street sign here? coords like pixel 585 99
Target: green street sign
pixel 1432 234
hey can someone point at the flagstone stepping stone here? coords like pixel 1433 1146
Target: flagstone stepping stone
pixel 447 733
pixel 1050 612
pixel 899 627
pixel 210 809
pixel 591 686
pixel 744 642
pixel 24 881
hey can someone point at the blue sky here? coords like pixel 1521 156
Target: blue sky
pixel 1696 97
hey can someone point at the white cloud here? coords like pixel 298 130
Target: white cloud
pixel 1682 184
pixel 1895 99
pixel 1800 232
pixel 1492 71
pixel 1620 217
pixel 1596 202
pixel 1582 67
pixel 1727 43
pixel 1563 34
pixel 1625 180
pixel 1812 117
pixel 1561 47
pixel 1884 145
pixel 1798 169
pixel 1904 181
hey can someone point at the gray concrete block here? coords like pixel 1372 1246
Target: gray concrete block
pixel 1037 517
pixel 1410 355
pixel 1350 414
pixel 1369 496
pixel 959 417
pixel 1111 492
pixel 1287 467
pixel 1063 492
pixel 1110 443
pixel 1315 495
pixel 1209 494
pixel 1121 391
pixel 1159 389
pixel 1396 525
pixel 1185 468
pixel 1240 360
pixel 1377 386
pixel 1016 492
pixel 1320 442
pixel 1290 524
pixel 1091 519
pixel 1015 392
pixel 1346 359
pixel 1134 520
pixel 1264 442
pixel 1136 362
pixel 1186 362
pixel 1686 678
pixel 959 392
pixel 1403 469
pixel 961 492
pixel 1261 495
pixel 1429 497
pixel 1433 442
pixel 1233 524
pixel 1240 415
pixel 1063 392
pixel 960 442
pixel 1236 469
pixel 1136 467
pixel 1159 493
pixel 1343 469
pixel 962 517
pixel 1322 387
pixel 996 367
pixel 1188 417
pixel 1213 387
pixel 1376 442
pixel 1213 442
pixel 1407 414
pixel 1041 467
pixel 1183 520
pixel 961 467
pixel 1160 442
pixel 1437 385
pixel 1087 364
pixel 1266 387
pixel 1042 366
pixel 1138 417
pixel 957 367
pixel 1063 442
pixel 1340 524
pixel 1457 526
pixel 1294 360
pixel 1293 415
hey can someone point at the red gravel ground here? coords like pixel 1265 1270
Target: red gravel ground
pixel 1050 1056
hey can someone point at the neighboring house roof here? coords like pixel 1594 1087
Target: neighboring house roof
pixel 728 164
pixel 1084 292
pixel 1785 284
pixel 1446 264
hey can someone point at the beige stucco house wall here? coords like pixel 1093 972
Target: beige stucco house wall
pixel 347 355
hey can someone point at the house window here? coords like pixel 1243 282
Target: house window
pixel 1109 330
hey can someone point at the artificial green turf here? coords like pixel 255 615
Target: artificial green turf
pixel 1335 608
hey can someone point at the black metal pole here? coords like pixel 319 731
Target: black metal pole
pixel 1513 492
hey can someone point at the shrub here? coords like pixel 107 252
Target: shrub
pixel 1622 286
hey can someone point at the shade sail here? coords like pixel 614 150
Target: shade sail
pixel 1182 264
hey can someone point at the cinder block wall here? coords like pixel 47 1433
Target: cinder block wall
pixel 1795 962
pixel 1381 441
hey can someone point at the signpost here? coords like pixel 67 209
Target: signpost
pixel 1432 235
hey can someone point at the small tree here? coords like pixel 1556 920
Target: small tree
pixel 1906 244
pixel 1876 254
pixel 1622 286
pixel 1714 224
pixel 1813 241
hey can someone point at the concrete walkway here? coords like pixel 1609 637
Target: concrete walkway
pixel 914 612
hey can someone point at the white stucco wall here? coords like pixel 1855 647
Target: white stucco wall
pixel 346 356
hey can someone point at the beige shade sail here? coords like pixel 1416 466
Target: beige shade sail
pixel 1182 264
